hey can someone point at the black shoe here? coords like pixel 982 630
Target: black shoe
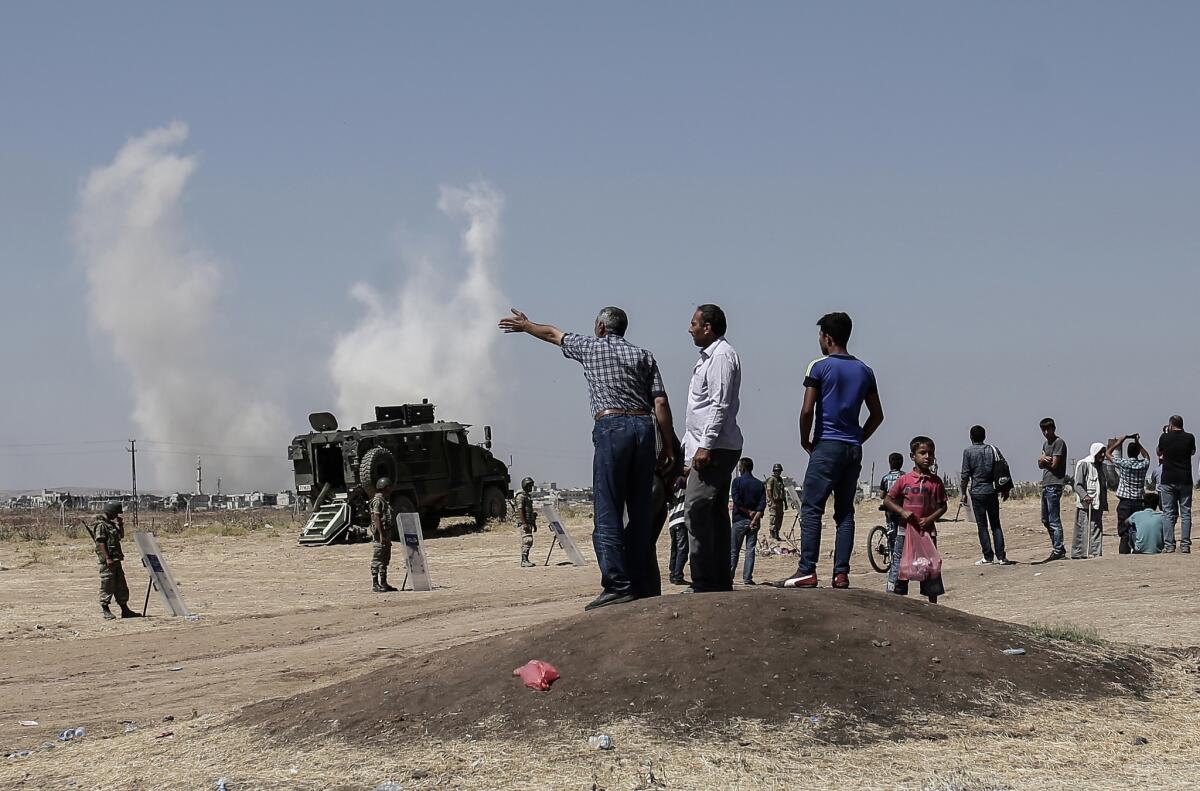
pixel 107 613
pixel 383 584
pixel 678 581
pixel 749 582
pixel 375 586
pixel 1185 550
pixel 609 597
pixel 1056 556
pixel 128 613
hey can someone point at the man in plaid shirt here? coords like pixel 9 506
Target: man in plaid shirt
pixel 1131 483
pixel 625 390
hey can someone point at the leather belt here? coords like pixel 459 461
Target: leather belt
pixel 626 412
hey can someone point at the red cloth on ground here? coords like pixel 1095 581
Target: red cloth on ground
pixel 537 674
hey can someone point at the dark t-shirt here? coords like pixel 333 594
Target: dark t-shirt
pixel 1177 449
pixel 1057 475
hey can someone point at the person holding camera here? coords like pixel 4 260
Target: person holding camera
pixel 1131 483
pixel 1176 448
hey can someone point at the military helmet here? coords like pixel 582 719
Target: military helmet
pixel 777 468
pixel 382 483
pixel 527 482
pixel 113 509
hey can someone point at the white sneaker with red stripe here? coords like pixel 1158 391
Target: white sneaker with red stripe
pixel 798 580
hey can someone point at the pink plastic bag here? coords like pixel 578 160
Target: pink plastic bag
pixel 537 674
pixel 921 559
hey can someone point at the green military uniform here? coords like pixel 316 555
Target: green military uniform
pixel 381 553
pixel 527 522
pixel 112 576
pixel 776 504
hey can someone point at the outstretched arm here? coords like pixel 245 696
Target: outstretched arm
pixel 519 322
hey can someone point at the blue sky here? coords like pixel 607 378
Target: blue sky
pixel 1002 195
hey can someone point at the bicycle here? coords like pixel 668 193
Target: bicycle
pixel 879 548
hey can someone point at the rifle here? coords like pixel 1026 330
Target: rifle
pixel 87 527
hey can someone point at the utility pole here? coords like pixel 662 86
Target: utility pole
pixel 133 469
pixel 199 477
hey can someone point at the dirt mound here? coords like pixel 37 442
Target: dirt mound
pixel 694 662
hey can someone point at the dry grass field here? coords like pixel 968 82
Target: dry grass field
pixel 161 697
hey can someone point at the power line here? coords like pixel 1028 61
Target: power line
pixel 196 445
pixel 277 456
pixel 32 449
pixel 61 453
pixel 62 444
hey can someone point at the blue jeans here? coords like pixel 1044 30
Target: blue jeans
pixel 987 510
pixel 833 468
pixel 1052 517
pixel 622 480
pixel 679 551
pixel 742 533
pixel 1176 504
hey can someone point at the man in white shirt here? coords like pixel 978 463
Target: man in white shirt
pixel 712 445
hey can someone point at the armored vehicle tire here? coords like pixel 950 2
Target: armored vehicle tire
pixel 403 504
pixel 494 506
pixel 376 463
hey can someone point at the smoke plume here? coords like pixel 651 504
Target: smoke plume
pixel 153 293
pixel 435 336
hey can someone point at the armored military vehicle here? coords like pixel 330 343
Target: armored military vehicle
pixel 435 472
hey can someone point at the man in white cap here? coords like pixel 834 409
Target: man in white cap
pixel 1091 501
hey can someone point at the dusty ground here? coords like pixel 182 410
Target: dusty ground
pixel 278 620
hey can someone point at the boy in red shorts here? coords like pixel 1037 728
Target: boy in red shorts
pixel 918 498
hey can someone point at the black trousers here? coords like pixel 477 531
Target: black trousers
pixel 709 528
pixel 1126 507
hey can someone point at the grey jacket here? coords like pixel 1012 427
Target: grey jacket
pixel 977 469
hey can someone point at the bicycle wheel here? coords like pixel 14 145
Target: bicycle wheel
pixel 878 550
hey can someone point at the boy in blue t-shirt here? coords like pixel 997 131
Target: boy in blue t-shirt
pixel 896 463
pixel 1147 527
pixel 835 389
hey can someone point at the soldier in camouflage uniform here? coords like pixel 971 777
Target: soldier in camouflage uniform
pixel 383 532
pixel 526 520
pixel 776 500
pixel 108 530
